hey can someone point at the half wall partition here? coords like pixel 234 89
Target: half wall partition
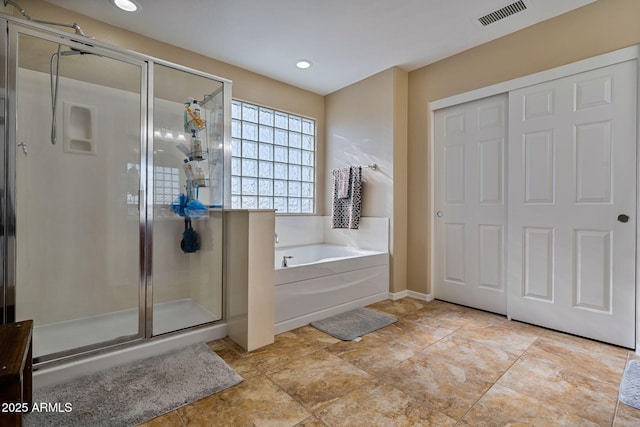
pixel 112 215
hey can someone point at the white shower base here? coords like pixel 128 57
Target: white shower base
pixel 167 317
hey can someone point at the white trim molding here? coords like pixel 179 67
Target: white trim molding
pixel 420 296
pixel 394 296
pixel 609 58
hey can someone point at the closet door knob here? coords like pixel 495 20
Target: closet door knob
pixel 439 214
pixel 623 218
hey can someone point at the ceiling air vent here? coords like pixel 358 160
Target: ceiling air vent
pixel 502 13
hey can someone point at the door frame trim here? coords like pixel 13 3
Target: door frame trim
pixel 606 59
pixel 630 53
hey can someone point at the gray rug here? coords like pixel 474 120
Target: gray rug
pixel 353 324
pixel 630 385
pixel 136 392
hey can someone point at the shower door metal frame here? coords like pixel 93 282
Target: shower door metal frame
pixel 11 26
pixel 68 40
pixel 226 166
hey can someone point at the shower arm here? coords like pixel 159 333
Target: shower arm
pixel 75 26
pixel 24 13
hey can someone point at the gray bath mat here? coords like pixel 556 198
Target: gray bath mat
pixel 136 392
pixel 353 324
pixel 630 385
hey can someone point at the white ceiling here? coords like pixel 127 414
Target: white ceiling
pixel 346 40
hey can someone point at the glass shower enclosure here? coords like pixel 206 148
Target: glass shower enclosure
pixel 114 188
pixel 188 151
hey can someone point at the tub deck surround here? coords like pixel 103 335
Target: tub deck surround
pixel 373 232
pixel 329 273
pixel 324 279
pixel 323 260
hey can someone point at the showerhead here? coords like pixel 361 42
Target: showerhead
pixel 77 29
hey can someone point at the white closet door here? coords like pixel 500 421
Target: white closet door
pixel 572 204
pixel 470 234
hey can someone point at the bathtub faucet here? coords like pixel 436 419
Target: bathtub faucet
pixel 284 260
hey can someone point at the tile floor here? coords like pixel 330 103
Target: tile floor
pixel 439 365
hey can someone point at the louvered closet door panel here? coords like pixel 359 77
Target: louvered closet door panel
pixel 470 204
pixel 572 172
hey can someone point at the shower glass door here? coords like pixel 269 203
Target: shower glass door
pixel 188 153
pixel 79 185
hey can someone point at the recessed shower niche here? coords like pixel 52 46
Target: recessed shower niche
pixel 79 130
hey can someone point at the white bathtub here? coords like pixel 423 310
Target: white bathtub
pixel 322 280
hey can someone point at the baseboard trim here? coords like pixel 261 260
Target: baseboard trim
pixel 410 294
pixel 398 295
pixel 420 296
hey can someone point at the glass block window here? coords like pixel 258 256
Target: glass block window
pixel 166 184
pixel 272 159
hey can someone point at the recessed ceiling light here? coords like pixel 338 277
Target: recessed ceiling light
pixel 126 5
pixel 303 64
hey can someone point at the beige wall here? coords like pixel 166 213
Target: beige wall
pixel 366 123
pixel 360 132
pixel 600 27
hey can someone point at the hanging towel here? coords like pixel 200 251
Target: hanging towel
pixel 342 178
pixel 345 212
